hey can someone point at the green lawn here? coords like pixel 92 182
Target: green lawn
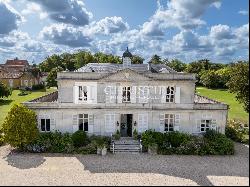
pixel 7 103
pixel 236 110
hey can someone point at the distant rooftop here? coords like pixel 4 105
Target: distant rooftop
pixel 17 62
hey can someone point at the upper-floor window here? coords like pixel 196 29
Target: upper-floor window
pixel 83 93
pixel 126 93
pixel 45 125
pixel 83 122
pixel 170 94
pixel 169 122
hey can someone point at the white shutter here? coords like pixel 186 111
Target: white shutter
pixel 52 125
pixel 39 121
pixel 142 122
pixel 93 93
pixel 89 94
pixel 119 99
pixel 163 94
pixel 110 123
pixel 75 123
pixel 91 124
pixel 133 94
pixel 75 94
pixel 177 122
pixel 214 125
pixel 178 95
pixel 162 122
pixel 111 94
pixel 143 94
pixel 108 94
pixel 198 126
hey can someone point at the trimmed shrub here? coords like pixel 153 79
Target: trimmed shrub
pixel 52 143
pixel 80 139
pixel 236 131
pixel 38 87
pixel 1 138
pixel 88 149
pixel 20 126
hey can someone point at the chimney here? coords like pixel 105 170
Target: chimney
pixel 149 66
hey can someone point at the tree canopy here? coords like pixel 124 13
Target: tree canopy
pixel 4 90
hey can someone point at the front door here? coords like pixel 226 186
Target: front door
pixel 126 125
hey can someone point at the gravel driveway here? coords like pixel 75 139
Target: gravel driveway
pixel 123 169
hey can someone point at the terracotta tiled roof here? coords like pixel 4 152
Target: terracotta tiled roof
pixel 10 75
pixel 17 62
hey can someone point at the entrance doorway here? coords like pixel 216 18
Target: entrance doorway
pixel 126 125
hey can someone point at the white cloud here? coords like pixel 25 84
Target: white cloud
pixel 66 11
pixel 66 35
pixel 108 25
pixel 243 12
pixel 220 32
pixel 182 14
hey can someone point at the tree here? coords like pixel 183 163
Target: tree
pixel 20 126
pixel 4 90
pixel 239 83
pixel 137 59
pixel 177 65
pixel 155 59
pixel 210 79
pixel 51 79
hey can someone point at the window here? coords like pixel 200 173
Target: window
pixel 45 125
pixel 126 91
pixel 170 94
pixel 205 125
pixel 83 122
pixel 169 122
pixel 83 93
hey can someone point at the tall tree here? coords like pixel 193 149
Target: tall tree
pixel 137 59
pixel 155 59
pixel 176 65
pixel 239 83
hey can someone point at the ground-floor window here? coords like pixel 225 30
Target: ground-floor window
pixel 169 122
pixel 45 125
pixel 83 122
pixel 205 125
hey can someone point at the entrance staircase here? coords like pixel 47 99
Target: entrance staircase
pixel 125 145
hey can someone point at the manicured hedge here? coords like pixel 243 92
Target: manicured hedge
pixel 211 143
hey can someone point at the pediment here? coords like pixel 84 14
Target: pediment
pixel 126 75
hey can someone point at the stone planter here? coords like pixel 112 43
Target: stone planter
pixel 99 151
pixel 152 149
pixel 104 151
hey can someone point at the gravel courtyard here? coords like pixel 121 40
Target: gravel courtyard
pixel 123 169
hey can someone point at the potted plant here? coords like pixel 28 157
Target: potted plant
pixel 101 146
pixel 135 135
pixel 117 135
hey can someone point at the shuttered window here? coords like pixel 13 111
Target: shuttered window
pixel 170 95
pixel 83 122
pixel 45 125
pixel 83 93
pixel 126 93
pixel 169 122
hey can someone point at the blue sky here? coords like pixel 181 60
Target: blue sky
pixel 183 29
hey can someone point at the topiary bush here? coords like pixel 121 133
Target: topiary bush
pixel 38 87
pixel 20 126
pixel 80 139
pixel 1 138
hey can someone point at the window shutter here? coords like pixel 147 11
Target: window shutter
pixel 163 94
pixel 75 94
pixel 178 95
pixel 214 125
pixel 162 122
pixel 198 126
pixel 177 122
pixel 52 125
pixel 39 121
pixel 143 94
pixel 142 122
pixel 89 94
pixel 91 123
pixel 108 94
pixel 110 123
pixel 119 99
pixel 111 94
pixel 75 123
pixel 93 93
pixel 133 94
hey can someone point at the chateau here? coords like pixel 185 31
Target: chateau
pixel 103 98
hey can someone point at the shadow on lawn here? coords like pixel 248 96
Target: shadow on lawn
pixel 5 102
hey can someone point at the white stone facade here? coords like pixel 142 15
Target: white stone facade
pixel 105 108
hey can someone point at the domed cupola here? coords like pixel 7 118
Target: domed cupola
pixel 127 58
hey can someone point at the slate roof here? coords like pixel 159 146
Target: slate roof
pixel 112 68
